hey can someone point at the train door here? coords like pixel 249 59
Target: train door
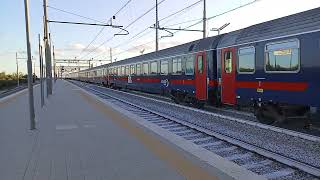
pixel 201 76
pixel 228 75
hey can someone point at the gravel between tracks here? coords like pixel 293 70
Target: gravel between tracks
pixel 293 147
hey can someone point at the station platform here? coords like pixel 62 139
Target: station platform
pixel 79 138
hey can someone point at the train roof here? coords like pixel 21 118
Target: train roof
pixel 194 46
pixel 180 49
pixel 307 21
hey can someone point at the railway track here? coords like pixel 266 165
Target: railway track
pixel 230 114
pixel 256 159
pixel 296 125
pixel 12 91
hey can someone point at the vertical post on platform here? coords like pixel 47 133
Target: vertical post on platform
pixel 33 70
pixel 41 73
pixel 204 19
pixel 54 65
pixel 18 83
pixel 29 64
pixel 47 50
pixel 111 54
pixel 157 26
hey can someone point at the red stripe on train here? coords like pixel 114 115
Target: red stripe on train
pixel 182 81
pixel 283 86
pixel 172 81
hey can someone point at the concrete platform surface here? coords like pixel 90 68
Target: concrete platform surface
pixel 76 140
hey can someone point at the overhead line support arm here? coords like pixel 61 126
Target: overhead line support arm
pixel 82 23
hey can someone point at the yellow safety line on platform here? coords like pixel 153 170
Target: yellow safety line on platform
pixel 176 160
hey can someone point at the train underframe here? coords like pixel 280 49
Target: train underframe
pixel 279 113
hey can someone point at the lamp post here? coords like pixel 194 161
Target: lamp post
pixel 29 64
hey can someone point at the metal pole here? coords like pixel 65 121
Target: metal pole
pixel 111 54
pixel 204 19
pixel 42 79
pixel 47 50
pixel 18 83
pixel 78 63
pixel 60 72
pixel 157 26
pixel 54 65
pixel 52 59
pixel 29 64
pixel 34 71
pixel 41 72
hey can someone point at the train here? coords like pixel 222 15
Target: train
pixel 273 67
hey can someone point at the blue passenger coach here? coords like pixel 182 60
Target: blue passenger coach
pixel 273 66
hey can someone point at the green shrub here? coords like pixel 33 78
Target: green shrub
pixel 4 84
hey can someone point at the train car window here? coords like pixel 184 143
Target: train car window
pixel 138 69
pixel 119 71
pixel 200 64
pixel 177 66
pixel 115 71
pixel 123 71
pixel 246 60
pixel 154 67
pixel 189 65
pixel 145 68
pixel 127 70
pixel 164 67
pixel 228 62
pixel 132 70
pixel 282 57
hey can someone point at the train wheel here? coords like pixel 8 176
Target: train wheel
pixel 177 97
pixel 197 104
pixel 175 100
pixel 263 116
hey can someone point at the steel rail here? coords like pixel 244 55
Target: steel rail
pixel 252 123
pixel 261 151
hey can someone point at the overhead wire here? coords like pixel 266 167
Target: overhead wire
pixel 101 30
pixel 148 27
pixel 130 24
pixel 173 14
pixel 89 18
pixel 184 22
pixel 68 12
pixel 223 13
pixel 212 17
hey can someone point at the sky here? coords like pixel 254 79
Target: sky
pixel 70 40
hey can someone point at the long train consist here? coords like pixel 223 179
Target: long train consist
pixel 272 66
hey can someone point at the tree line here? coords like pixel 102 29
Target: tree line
pixel 13 76
pixel 10 80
